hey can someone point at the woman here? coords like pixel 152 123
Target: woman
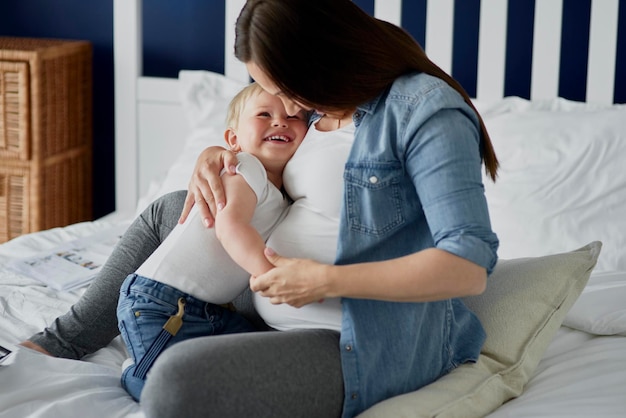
pixel 413 236
pixel 414 227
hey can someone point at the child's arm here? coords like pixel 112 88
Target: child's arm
pixel 232 227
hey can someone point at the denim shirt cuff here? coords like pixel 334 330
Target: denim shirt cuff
pixel 473 249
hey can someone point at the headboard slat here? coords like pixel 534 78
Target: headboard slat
pixel 389 10
pixel 439 32
pixel 233 68
pixel 128 63
pixel 546 43
pixel 491 50
pixel 602 51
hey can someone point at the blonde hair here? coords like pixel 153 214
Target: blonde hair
pixel 238 103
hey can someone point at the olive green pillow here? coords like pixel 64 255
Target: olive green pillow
pixel 524 305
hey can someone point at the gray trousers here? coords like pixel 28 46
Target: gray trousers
pixel 260 374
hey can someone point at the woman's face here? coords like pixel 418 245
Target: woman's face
pixel 269 86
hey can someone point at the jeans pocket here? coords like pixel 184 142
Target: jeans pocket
pixel 141 318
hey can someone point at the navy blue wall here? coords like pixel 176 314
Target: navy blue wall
pixel 78 19
pixel 174 38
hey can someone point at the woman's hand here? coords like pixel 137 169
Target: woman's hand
pixel 205 187
pixel 294 281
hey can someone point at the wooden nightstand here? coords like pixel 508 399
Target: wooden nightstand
pixel 45 134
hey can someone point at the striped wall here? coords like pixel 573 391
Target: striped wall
pixel 511 54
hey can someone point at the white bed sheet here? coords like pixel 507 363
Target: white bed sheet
pixel 581 374
pixel 35 385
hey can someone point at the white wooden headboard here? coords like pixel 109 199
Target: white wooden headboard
pixel 150 126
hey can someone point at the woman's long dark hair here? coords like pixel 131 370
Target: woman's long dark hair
pixel 331 55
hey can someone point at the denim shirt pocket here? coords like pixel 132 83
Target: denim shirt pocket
pixel 373 196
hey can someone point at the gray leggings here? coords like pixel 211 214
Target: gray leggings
pixel 261 374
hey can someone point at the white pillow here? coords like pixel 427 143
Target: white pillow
pixel 204 97
pixel 601 309
pixel 561 182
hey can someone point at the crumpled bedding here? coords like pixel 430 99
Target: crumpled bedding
pixel 581 374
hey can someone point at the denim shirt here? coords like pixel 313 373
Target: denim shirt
pixel 413 181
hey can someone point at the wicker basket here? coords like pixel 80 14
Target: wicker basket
pixel 45 134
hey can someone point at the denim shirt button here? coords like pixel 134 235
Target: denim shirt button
pixel 354 395
pixel 348 348
pixel 373 179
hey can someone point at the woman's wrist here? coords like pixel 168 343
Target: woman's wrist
pixel 332 281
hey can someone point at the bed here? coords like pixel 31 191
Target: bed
pixel 558 296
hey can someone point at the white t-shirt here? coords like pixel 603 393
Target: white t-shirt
pixel 314 179
pixel 194 261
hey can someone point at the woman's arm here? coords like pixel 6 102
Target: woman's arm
pixel 205 186
pixel 427 275
pixel 234 230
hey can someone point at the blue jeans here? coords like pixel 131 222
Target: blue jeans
pixel 145 306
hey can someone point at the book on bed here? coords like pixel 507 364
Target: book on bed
pixel 72 264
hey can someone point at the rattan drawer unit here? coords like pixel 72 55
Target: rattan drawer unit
pixel 45 134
